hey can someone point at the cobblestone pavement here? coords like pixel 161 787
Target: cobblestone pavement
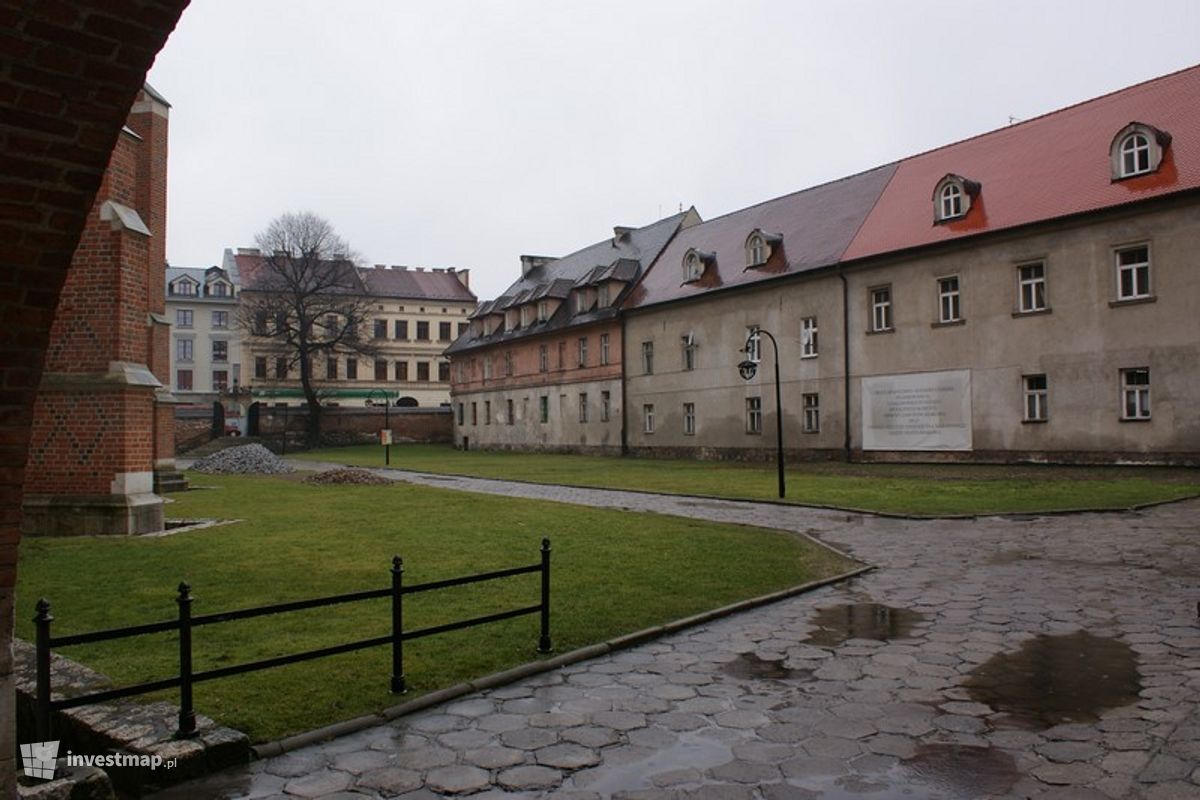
pixel 1089 620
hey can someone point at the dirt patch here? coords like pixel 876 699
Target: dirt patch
pixel 356 477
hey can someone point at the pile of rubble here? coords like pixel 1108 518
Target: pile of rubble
pixel 249 459
pixel 360 477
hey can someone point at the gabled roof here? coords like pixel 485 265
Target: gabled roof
pixel 407 283
pixel 816 225
pixel 1047 167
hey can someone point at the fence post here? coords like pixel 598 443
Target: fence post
pixel 43 620
pixel 187 714
pixel 398 686
pixel 544 640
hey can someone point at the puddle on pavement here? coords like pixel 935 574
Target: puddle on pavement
pixel 692 751
pixel 1055 679
pixel 1008 557
pixel 936 772
pixel 749 665
pixel 862 621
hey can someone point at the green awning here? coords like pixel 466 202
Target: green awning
pixel 326 394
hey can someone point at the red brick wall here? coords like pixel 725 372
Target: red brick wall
pixel 418 425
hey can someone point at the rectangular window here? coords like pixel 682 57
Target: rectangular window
pixel 689 419
pixel 381 329
pixel 462 328
pixel 648 418
pixel 281 368
pixel 487 412
pixel 881 309
pixel 509 414
pixel 604 349
pixel 185 288
pixel 648 358
pixel 474 413
pixel 808 337
pixel 689 352
pixel 183 318
pixel 605 406
pixel 544 409
pixel 444 331
pixel 183 349
pixel 400 329
pixel 460 413
pixel 422 370
pixel 1133 273
pixel 1035 398
pixel 331 369
pixel 220 350
pixel 351 369
pixel 1031 283
pixel 260 366
pixel 583 407
pixel 401 370
pixel 753 344
pixel 183 380
pixel 260 323
pixel 508 364
pixel 422 331
pixel 219 290
pixel 753 415
pixel 603 296
pixel 443 371
pixel 543 358
pixel 220 319
pixel 543 311
pixel 583 351
pixel 381 369
pixel 562 355
pixel 487 368
pixel 949 300
pixel 1135 393
pixel 812 412
pixel 220 380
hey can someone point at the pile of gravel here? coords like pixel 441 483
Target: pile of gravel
pixel 360 477
pixel 249 459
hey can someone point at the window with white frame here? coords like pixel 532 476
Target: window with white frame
pixel 583 407
pixel 603 296
pixel 544 409
pixel 1135 154
pixel 604 356
pixel 543 358
pixel 689 419
pixel 183 349
pixel 543 310
pixel 1133 272
pixel 526 316
pixel 951 201
pixel 508 364
pixel 185 287
pixel 647 358
pixel 648 418
pixel 605 405
pixel 581 303
pixel 689 352
pixel 1036 394
pixel 808 337
pixel 1031 286
pixel 811 404
pixel 583 348
pixel 1135 393
pixel 753 415
pixel 753 344
pixel 220 350
pixel 881 308
pixel 949 300
pixel 756 250
pixel 693 267
pixel 487 368
pixel 183 318
pixel 220 319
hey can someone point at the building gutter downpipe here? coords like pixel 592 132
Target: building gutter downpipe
pixel 845 362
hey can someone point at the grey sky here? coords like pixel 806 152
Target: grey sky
pixel 465 134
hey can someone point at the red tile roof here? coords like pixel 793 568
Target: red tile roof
pixel 416 284
pixel 1048 167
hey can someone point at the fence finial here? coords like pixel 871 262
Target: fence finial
pixel 43 611
pixel 397 564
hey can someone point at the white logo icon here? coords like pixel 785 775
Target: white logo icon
pixel 39 759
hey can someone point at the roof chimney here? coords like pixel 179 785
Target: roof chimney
pixel 463 275
pixel 621 234
pixel 249 251
pixel 530 263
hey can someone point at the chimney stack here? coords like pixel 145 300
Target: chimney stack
pixel 530 263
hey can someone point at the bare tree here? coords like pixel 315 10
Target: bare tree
pixel 305 302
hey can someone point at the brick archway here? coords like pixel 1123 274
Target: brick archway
pixel 69 72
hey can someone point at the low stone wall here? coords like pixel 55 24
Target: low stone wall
pixel 354 425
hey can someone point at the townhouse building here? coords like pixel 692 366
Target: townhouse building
pixel 540 366
pixel 1027 294
pixel 202 307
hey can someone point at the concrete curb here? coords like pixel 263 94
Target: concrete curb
pixel 531 668
pixel 781 503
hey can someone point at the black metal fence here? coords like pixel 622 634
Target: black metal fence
pixel 185 622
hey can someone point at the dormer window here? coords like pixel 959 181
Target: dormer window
pixel 185 287
pixel 694 264
pixel 952 198
pixel 219 290
pixel 1137 149
pixel 543 311
pixel 602 296
pixel 760 246
pixel 526 316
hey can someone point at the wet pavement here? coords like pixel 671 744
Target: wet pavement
pixel 1032 657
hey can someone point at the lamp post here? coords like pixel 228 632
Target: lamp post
pixel 386 436
pixel 748 369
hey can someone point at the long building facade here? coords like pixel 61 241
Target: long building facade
pixel 1024 295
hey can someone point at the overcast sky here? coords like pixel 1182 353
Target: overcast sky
pixel 464 134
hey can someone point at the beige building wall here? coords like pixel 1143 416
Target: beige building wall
pixel 563 430
pixel 1081 343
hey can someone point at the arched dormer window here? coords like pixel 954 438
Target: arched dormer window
pixel 693 267
pixel 952 197
pixel 1137 149
pixel 760 246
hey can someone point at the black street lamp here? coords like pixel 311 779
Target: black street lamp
pixel 748 369
pixel 387 427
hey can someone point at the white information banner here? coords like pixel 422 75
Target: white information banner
pixel 920 411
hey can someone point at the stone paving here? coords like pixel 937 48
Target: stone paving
pixel 793 700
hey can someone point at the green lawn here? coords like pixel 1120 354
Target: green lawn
pixel 613 572
pixel 940 489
